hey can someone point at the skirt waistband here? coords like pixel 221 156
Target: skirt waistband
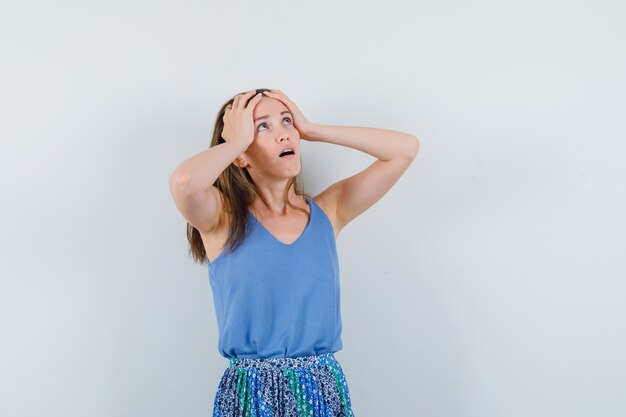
pixel 321 359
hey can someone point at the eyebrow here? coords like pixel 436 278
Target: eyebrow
pixel 267 115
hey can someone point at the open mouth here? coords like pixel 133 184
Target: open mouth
pixel 287 153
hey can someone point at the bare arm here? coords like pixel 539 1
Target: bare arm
pixel 395 152
pixel 191 184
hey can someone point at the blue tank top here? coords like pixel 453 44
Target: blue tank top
pixel 275 300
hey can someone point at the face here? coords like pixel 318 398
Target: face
pixel 271 135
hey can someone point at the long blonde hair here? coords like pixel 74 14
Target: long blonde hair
pixel 238 191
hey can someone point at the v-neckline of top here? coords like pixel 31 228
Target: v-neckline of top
pixel 306 228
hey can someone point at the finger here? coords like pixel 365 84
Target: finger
pixel 274 96
pixel 247 102
pixel 276 93
pixel 240 96
pixel 253 101
pixel 243 98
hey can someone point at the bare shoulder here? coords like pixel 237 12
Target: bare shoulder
pixel 329 205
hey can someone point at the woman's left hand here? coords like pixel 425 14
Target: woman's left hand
pixel 300 122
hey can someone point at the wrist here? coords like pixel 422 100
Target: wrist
pixel 309 132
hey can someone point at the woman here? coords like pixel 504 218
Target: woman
pixel 271 252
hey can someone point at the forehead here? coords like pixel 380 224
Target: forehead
pixel 269 106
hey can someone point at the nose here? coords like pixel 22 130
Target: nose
pixel 282 133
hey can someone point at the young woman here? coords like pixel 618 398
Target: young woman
pixel 270 250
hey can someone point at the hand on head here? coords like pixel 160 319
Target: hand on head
pixel 300 122
pixel 238 123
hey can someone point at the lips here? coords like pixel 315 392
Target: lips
pixel 285 148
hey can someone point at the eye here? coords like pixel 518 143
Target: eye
pixel 265 124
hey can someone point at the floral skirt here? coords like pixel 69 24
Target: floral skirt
pixel 312 386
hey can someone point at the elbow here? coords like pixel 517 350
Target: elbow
pixel 179 180
pixel 415 146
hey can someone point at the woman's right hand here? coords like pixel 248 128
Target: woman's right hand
pixel 238 123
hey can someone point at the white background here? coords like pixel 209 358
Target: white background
pixel 488 282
